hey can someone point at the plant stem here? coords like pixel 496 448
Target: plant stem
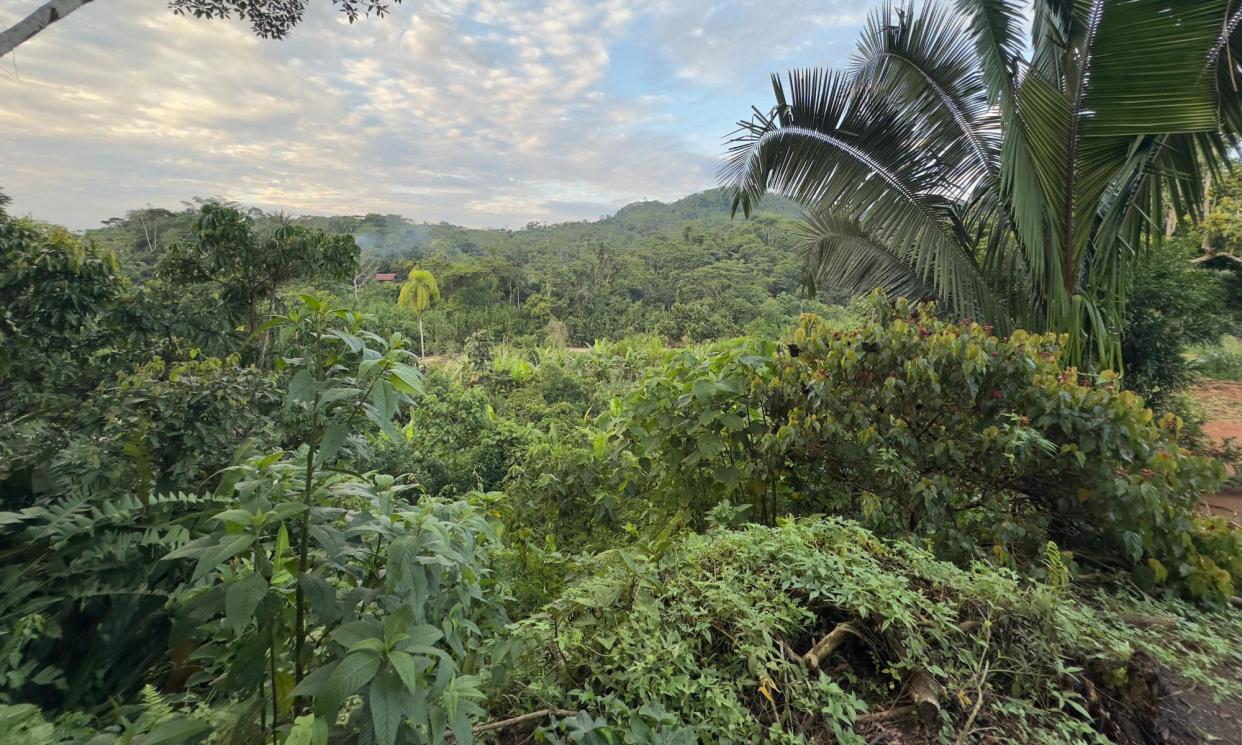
pixel 271 637
pixel 303 559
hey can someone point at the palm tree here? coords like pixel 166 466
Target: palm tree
pixel 1016 181
pixel 417 294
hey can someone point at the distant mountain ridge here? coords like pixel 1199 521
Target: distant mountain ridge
pixel 704 205
pixel 140 237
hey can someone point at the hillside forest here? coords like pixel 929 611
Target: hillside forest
pixel 913 453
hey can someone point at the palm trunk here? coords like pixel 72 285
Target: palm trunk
pixel 422 347
pixel 45 15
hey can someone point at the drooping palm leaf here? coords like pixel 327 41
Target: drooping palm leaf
pixel 925 67
pixel 832 144
pixel 1021 181
pixel 839 250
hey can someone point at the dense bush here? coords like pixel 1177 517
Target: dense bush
pixel 715 634
pixel 53 288
pixel 971 443
pixel 453 442
pixel 93 503
pixel 1174 306
pixel 1221 361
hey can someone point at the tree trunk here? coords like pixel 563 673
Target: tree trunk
pixel 422 347
pixel 46 14
pixel 252 315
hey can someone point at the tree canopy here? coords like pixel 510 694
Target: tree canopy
pixel 1016 179
pixel 269 19
pixel 247 267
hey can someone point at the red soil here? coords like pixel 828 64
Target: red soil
pixel 1222 401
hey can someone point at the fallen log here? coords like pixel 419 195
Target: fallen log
pixel 923 689
pixel 824 647
pixel 925 693
pixel 894 714
pixel 500 724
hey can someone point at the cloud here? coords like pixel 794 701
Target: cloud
pixel 718 43
pixel 481 112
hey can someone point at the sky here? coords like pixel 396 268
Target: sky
pixel 488 113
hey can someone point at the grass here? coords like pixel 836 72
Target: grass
pixel 1222 361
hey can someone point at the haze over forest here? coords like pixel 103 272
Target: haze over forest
pixel 805 373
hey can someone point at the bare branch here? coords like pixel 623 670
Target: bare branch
pixel 46 14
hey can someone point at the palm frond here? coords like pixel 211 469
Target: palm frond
pixel 838 250
pixel 995 26
pixel 833 145
pixel 924 65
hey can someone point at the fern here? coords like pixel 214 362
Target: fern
pixel 1057 573
pixel 154 708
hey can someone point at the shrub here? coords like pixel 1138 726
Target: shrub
pixel 1221 361
pixel 1174 305
pixel 968 442
pixel 715 636
pixel 453 442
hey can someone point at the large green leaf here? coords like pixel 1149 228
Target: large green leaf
pixel 227 547
pixel 1148 69
pixel 388 701
pixel 355 671
pixel 333 438
pixel 241 599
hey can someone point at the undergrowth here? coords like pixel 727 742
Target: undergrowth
pixel 715 636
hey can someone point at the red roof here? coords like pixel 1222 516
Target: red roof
pixel 385 277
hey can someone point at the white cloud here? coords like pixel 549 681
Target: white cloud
pixel 485 112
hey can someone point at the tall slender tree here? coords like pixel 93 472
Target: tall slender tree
pixel 1017 180
pixel 417 294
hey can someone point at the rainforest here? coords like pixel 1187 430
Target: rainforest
pixel 917 426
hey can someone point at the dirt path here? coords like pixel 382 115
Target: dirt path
pixel 1222 402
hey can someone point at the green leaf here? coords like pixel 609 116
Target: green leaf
pixel 303 732
pixel 460 702
pixel 241 518
pixel 193 549
pixel 314 682
pixel 177 730
pixel 406 379
pixel 221 553
pixel 406 667
pixel 387 700
pixel 301 386
pixel 333 437
pixel 1148 68
pixel 424 634
pixel 241 599
pixel 339 393
pixel 322 598
pixel 355 671
pixel 354 343
pixel 398 622
pixel 384 398
pixel 368 646
pixel 349 634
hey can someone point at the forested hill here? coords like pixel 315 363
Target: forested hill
pixel 688 270
pixel 138 236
